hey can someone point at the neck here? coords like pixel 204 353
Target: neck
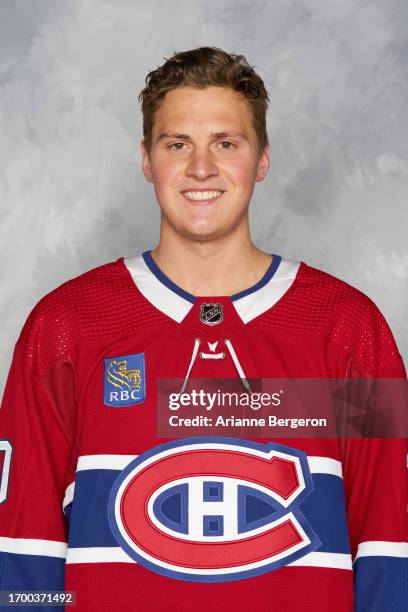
pixel 222 266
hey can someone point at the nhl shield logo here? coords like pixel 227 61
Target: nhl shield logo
pixel 211 314
pixel 125 380
pixel 213 510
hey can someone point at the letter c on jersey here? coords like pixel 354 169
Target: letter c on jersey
pixel 213 509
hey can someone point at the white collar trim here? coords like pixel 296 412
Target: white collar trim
pixel 258 302
pixel 176 307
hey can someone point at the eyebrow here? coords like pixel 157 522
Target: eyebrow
pixel 216 135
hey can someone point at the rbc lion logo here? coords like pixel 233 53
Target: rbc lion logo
pixel 213 509
pixel 125 380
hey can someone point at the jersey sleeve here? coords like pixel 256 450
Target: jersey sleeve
pixel 37 432
pixel 376 482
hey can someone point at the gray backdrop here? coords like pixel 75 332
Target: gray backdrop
pixel 72 194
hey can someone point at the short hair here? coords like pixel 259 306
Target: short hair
pixel 204 67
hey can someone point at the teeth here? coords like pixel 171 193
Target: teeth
pixel 202 195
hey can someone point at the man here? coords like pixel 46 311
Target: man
pixel 135 521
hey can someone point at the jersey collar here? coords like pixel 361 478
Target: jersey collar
pixel 175 302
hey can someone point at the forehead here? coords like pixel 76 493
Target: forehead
pixel 215 107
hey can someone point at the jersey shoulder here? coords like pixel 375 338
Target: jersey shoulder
pixel 101 302
pixel 317 298
pixel 339 313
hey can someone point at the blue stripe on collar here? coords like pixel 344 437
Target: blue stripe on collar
pixel 154 268
pixel 273 266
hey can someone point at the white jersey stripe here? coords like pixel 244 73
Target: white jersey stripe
pixel 324 559
pixel 69 495
pixel 325 465
pixel 317 465
pixel 98 554
pixel 104 462
pixel 27 546
pixel 382 549
pixel 112 554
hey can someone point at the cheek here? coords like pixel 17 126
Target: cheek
pixel 242 173
pixel 165 173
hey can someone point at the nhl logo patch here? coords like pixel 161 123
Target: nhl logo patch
pixel 124 380
pixel 211 314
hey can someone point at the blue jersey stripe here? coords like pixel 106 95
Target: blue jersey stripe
pixel 32 573
pixel 380 584
pixel 324 510
pixel 89 525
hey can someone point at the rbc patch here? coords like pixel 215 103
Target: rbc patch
pixel 124 380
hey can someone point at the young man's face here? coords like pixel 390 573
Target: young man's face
pixel 204 161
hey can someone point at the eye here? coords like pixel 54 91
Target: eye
pixel 226 144
pixel 176 146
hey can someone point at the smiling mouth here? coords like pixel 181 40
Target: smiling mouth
pixel 201 197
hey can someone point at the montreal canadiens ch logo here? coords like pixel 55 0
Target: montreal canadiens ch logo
pixel 213 509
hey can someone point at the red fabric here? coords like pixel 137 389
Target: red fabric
pixel 53 412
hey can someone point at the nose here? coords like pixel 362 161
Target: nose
pixel 201 164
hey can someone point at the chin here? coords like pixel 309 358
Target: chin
pixel 196 235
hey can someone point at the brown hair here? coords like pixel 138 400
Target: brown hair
pixel 203 67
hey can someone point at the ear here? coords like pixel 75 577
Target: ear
pixel 146 165
pixel 263 164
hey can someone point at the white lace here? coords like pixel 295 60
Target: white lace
pixel 214 355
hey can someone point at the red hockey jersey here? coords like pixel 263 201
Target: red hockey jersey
pixel 93 501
